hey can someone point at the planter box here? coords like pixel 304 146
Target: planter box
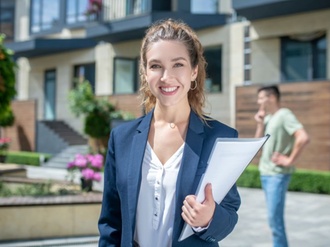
pixel 49 216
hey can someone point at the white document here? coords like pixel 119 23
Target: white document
pixel 228 160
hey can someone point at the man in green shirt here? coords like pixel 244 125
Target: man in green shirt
pixel 286 141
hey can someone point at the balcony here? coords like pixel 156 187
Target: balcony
pixel 127 20
pixel 260 9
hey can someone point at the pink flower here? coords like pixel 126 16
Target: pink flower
pixel 88 173
pixel 80 161
pixel 96 161
pixel 97 176
pixel 71 165
pixel 89 165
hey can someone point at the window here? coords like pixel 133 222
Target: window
pixel 50 95
pixel 204 6
pixel 76 11
pixel 137 6
pixel 303 60
pixel 85 72
pixel 213 70
pixel 247 56
pixel 45 14
pixel 7 16
pixel 125 76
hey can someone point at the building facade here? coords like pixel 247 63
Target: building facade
pixel 246 42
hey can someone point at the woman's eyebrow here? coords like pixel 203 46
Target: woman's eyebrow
pixel 178 58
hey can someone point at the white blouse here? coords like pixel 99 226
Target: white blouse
pixel 156 202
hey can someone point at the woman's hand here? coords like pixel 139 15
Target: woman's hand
pixel 199 214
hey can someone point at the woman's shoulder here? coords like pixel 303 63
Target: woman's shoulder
pixel 215 125
pixel 126 125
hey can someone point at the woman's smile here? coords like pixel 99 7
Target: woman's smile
pixel 169 90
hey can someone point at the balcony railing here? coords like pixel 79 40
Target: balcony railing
pixel 118 9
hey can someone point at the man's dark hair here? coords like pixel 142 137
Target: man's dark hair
pixel 273 89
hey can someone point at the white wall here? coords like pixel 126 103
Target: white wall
pixel 265 41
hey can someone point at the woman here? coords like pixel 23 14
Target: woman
pixel 154 163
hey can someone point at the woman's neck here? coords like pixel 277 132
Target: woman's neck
pixel 172 115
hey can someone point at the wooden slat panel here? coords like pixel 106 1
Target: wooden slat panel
pixel 310 102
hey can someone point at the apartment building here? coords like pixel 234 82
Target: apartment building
pixel 246 42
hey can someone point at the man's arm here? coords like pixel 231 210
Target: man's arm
pixel 301 140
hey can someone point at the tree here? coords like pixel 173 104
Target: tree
pixel 7 84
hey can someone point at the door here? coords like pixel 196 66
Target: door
pixel 50 95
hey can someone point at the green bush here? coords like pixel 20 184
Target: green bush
pixel 302 180
pixel 26 158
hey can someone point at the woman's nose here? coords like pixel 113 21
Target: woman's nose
pixel 166 75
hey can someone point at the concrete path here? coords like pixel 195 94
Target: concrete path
pixel 307 220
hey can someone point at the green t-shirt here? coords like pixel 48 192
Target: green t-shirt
pixel 281 127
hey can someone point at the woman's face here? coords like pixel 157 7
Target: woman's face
pixel 169 73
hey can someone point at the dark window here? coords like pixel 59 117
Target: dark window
pixel 84 72
pixel 50 95
pixel 7 17
pixel 45 14
pixel 303 60
pixel 125 76
pixel 247 75
pixel 213 70
pixel 247 58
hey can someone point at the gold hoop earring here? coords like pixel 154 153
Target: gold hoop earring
pixel 194 86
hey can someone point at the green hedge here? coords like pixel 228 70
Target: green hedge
pixel 302 180
pixel 26 158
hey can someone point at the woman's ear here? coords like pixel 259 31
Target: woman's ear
pixel 194 73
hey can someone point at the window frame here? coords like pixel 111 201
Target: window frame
pixel 11 22
pixel 76 77
pixel 46 81
pixel 212 49
pixel 62 19
pixel 134 74
pixel 313 67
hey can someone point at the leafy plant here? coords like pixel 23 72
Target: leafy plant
pixel 97 111
pixel 7 84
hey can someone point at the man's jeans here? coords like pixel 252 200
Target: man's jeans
pixel 275 188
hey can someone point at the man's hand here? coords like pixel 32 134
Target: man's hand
pixel 199 214
pixel 281 159
pixel 260 115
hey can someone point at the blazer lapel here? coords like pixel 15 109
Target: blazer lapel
pixel 186 184
pixel 134 169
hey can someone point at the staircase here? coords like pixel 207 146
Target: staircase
pixel 59 139
pixel 65 132
pixel 61 159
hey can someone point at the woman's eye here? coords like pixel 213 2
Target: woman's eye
pixel 154 66
pixel 178 65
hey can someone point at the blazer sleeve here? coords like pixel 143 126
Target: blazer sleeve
pixel 110 221
pixel 224 218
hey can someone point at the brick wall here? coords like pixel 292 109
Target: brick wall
pixel 127 102
pixel 23 132
pixel 310 102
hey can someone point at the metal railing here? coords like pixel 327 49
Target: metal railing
pixel 118 9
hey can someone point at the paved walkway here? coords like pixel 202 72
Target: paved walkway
pixel 307 220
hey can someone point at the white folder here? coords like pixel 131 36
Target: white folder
pixel 228 160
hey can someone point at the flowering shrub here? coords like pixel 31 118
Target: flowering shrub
pixel 94 7
pixel 89 165
pixel 4 144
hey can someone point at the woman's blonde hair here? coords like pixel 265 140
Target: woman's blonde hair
pixel 179 31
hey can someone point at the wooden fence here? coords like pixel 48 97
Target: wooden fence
pixel 310 102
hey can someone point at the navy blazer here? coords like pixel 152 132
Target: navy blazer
pixel 122 177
